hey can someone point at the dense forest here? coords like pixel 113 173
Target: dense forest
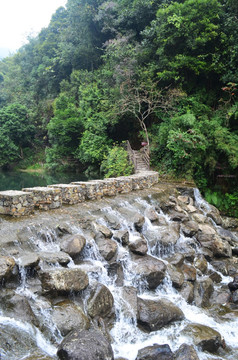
pixel 103 72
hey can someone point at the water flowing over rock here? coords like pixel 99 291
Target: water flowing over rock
pixel 154 314
pixel 126 278
pixel 85 345
pixel 204 337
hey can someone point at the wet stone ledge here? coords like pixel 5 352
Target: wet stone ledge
pixel 18 203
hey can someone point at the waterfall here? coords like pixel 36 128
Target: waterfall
pixel 163 237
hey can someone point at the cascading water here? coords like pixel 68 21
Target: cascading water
pixel 127 337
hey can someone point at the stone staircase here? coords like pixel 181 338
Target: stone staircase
pixel 140 163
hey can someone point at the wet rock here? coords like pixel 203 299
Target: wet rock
pixel 85 345
pixel 220 296
pixel 107 247
pixel 122 236
pixel 113 221
pixel 186 352
pixel 150 269
pixel 154 314
pixel 63 229
pixel 100 302
pixel 115 271
pixel 73 245
pixel 220 266
pixel 155 352
pixel 6 267
pixel 214 276
pixel 176 260
pixel 214 214
pixel 209 239
pixel 202 292
pixel 205 234
pixel 176 276
pixel 152 215
pixel 189 228
pixel 67 317
pixel 199 218
pixel 230 223
pixel 221 248
pixel 64 280
pixel 59 257
pixel 189 272
pixel 105 231
pixel 233 285
pixel 234 297
pixel 204 337
pixel 201 263
pixel 138 245
pixel 138 221
pixel 129 304
pixel 18 307
pixel 187 292
pixel 30 260
pixel 178 214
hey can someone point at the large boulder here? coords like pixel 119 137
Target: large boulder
pixel 154 314
pixel 155 352
pixel 186 352
pixel 100 302
pixel 102 229
pixel 64 280
pixel 176 276
pixel 149 269
pixel 58 257
pixel 73 245
pixel 204 337
pixel 85 345
pixel 189 228
pixel 67 317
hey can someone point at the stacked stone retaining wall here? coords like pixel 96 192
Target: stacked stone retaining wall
pixel 18 203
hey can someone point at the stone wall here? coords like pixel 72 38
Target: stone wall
pixel 18 203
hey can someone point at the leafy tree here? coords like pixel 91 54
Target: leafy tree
pixel 16 133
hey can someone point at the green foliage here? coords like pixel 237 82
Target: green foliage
pixel 227 203
pixel 16 133
pixel 116 163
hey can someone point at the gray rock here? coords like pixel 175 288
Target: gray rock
pixel 202 292
pixel 85 345
pixel 105 231
pixel 64 280
pixel 107 247
pixel 186 352
pixel 138 221
pixel 154 314
pixel 29 260
pixel 150 269
pixel 138 245
pixel 176 260
pixel 100 302
pixel 189 272
pixel 152 215
pixel 67 317
pixel 176 276
pixel 204 337
pixel 73 245
pixel 187 292
pixel 122 236
pixel 7 264
pixel 129 303
pixel 155 352
pixel 201 263
pixel 189 228
pixel 59 257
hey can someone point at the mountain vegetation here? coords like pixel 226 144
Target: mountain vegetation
pixel 102 72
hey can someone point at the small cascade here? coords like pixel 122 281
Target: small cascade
pixel 134 255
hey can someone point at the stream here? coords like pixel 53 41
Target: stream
pixel 166 225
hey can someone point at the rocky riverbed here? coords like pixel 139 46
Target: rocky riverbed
pixel 142 276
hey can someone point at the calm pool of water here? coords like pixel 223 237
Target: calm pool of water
pixel 16 180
